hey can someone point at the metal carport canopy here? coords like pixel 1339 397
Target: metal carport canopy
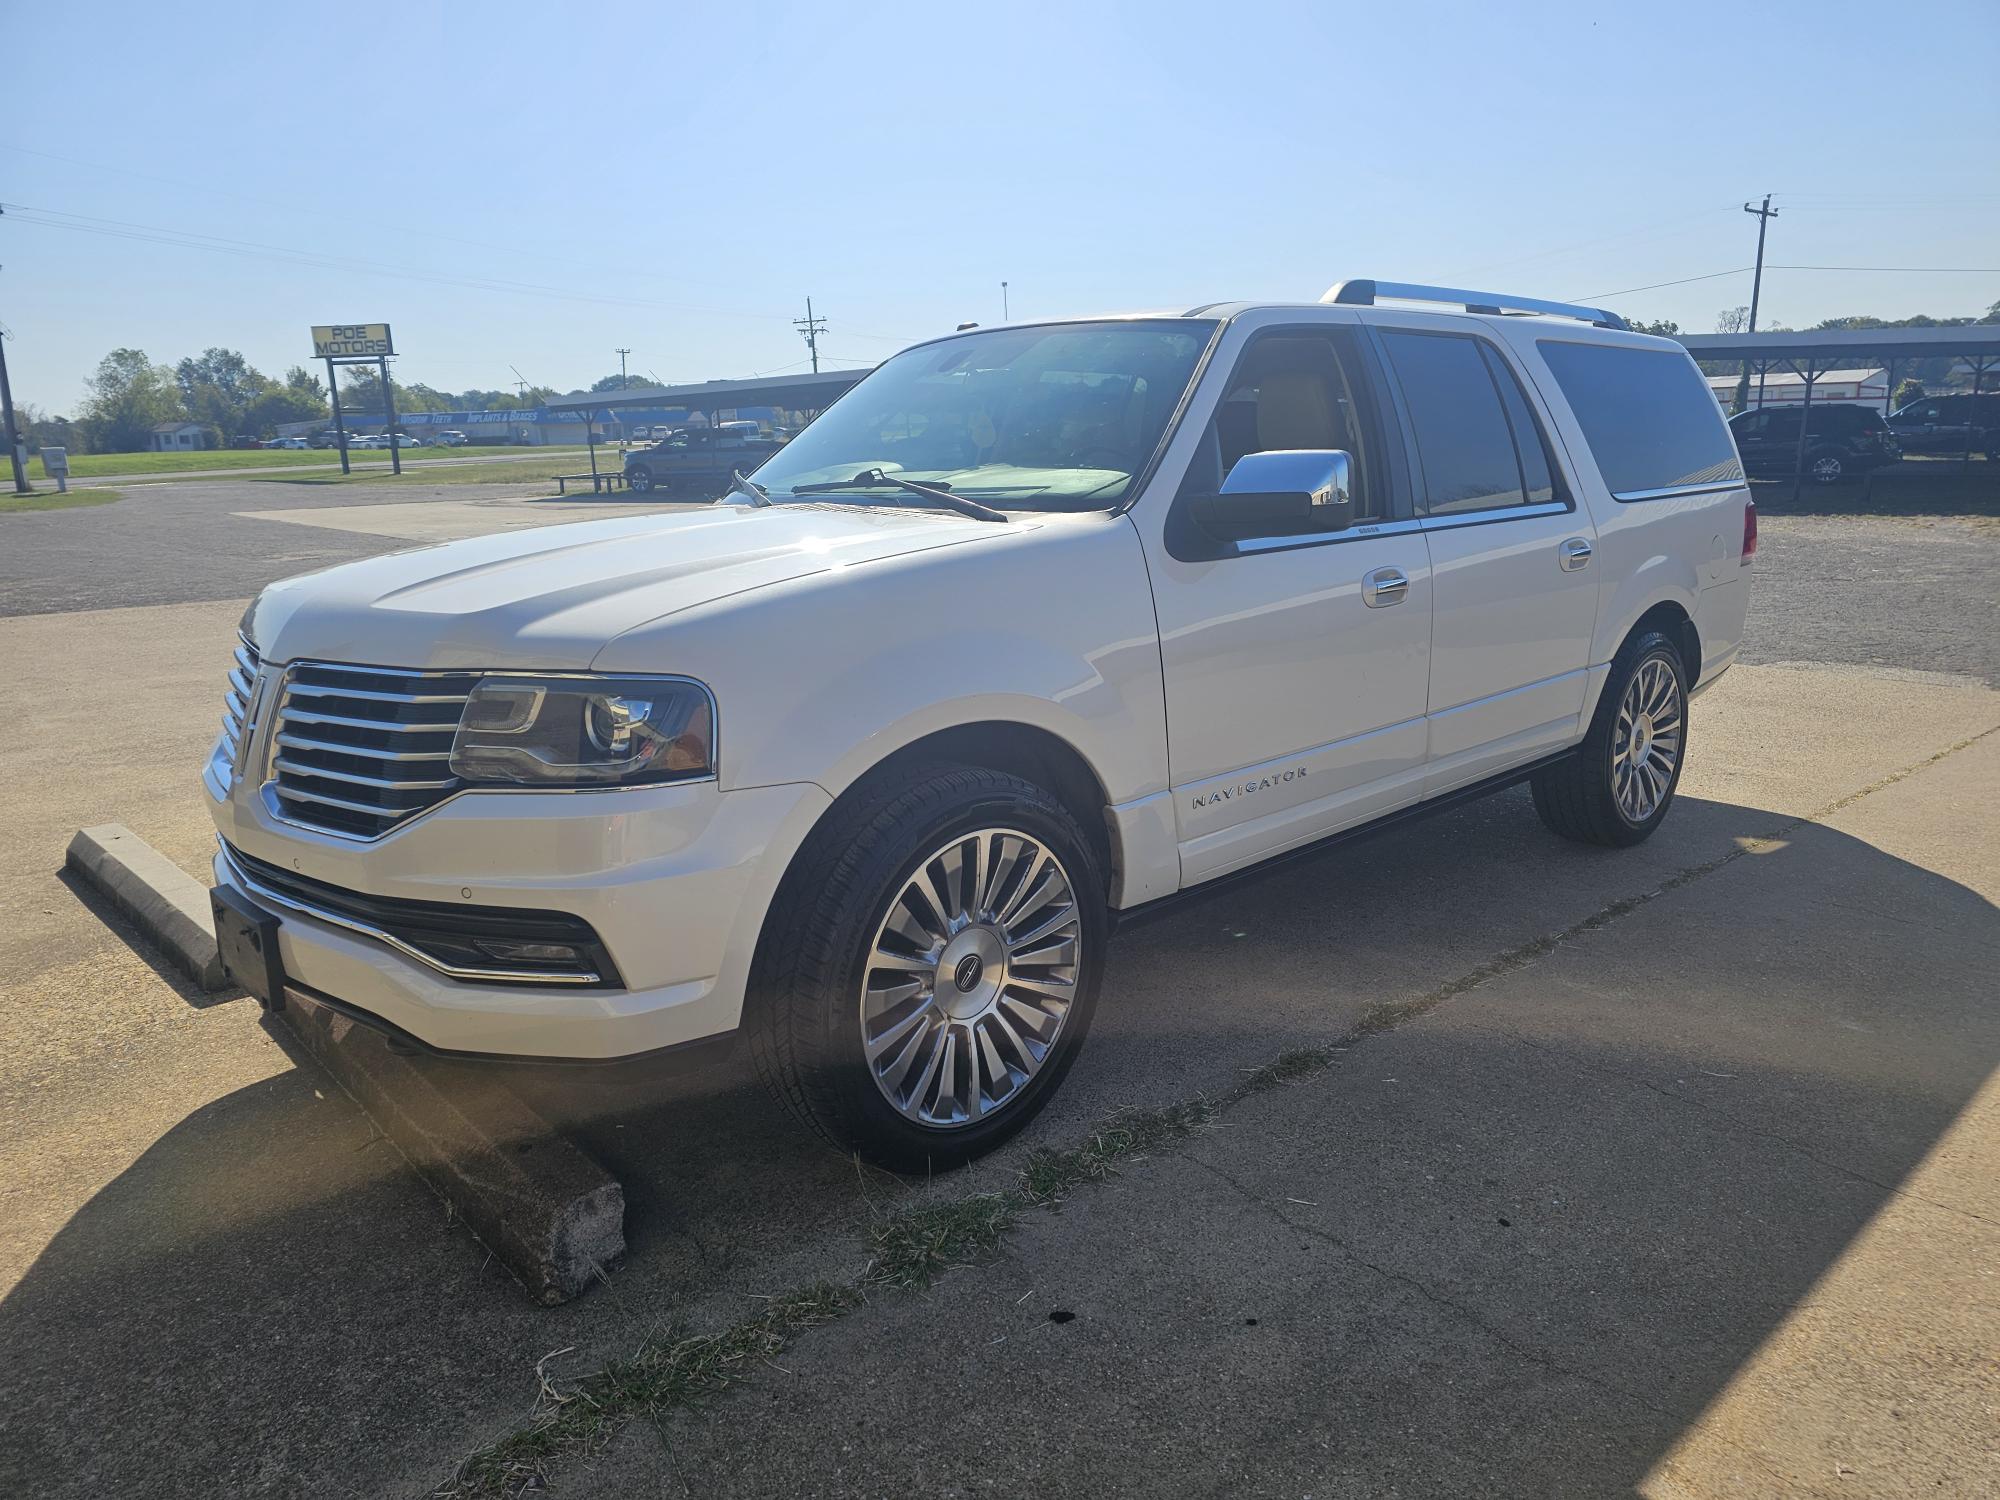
pixel 788 392
pixel 1821 345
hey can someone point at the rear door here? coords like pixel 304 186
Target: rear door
pixel 1513 597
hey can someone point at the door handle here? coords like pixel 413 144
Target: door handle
pixel 1384 587
pixel 1575 554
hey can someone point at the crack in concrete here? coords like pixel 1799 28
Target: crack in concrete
pixel 1745 1126
pixel 1436 1298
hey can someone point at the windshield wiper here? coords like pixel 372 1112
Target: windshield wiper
pixel 875 479
pixel 739 485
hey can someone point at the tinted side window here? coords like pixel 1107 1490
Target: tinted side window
pixel 1649 417
pixel 1298 390
pixel 1463 437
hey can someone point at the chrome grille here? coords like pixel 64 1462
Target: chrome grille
pixel 357 750
pixel 237 699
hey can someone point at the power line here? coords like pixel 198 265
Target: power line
pixel 1655 286
pixel 51 218
pixel 1741 270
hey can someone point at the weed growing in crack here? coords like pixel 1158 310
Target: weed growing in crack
pixel 911 1249
pixel 665 1375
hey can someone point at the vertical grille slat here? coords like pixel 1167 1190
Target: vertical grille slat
pixel 358 750
pixel 237 695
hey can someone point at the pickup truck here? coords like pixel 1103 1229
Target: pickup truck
pixel 697 462
pixel 1033 630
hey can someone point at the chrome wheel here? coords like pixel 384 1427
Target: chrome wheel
pixel 1646 742
pixel 1826 470
pixel 971 975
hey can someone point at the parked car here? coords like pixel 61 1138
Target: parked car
pixel 368 440
pixel 408 440
pixel 1841 441
pixel 1948 424
pixel 286 442
pixel 697 462
pixel 451 437
pixel 326 439
pixel 1035 628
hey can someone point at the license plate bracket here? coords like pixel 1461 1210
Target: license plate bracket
pixel 246 938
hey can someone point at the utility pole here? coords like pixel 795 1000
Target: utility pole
pixel 1764 217
pixel 7 420
pixel 1004 317
pixel 623 382
pixel 812 328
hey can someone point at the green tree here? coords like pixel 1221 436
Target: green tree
pixel 1906 392
pixel 299 378
pixel 218 388
pixel 129 396
pixel 1663 328
pixel 280 404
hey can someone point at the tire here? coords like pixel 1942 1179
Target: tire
pixel 639 480
pixel 815 997
pixel 1825 467
pixel 1580 798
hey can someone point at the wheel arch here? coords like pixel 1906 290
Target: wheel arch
pixel 1030 751
pixel 1666 614
pixel 1673 621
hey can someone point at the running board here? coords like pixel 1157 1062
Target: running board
pixel 1163 906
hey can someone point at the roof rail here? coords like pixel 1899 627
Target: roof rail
pixel 1364 293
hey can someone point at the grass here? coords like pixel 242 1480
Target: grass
pixel 99 465
pixel 666 1375
pixel 536 470
pixel 51 500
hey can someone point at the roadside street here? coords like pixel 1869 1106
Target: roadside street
pixel 1724 1090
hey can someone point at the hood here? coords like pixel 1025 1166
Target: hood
pixel 551 597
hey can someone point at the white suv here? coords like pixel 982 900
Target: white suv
pixel 1036 626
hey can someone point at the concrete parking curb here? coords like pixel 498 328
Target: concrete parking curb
pixel 161 899
pixel 553 1216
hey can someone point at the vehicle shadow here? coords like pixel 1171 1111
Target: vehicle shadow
pixel 267 1301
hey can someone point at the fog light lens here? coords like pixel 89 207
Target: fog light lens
pixel 512 951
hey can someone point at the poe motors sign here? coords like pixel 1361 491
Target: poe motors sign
pixel 358 344
pixel 351 341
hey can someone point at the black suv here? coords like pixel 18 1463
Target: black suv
pixel 1841 441
pixel 1948 424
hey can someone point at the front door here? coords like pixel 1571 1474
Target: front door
pixel 1513 589
pixel 1296 667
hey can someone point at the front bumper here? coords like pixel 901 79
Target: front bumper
pixel 673 880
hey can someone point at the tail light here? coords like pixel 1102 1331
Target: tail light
pixel 1749 531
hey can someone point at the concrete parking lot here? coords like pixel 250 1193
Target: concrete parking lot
pixel 1671 1171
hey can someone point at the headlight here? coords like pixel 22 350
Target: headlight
pixel 588 731
pixel 245 627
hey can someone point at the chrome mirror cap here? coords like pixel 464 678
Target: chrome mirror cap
pixel 1323 474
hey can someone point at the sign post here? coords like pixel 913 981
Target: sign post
pixel 357 344
pixel 389 407
pixel 55 464
pixel 339 427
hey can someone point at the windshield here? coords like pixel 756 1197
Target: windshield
pixel 1052 418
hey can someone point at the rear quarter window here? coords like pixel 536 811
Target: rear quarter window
pixel 1648 415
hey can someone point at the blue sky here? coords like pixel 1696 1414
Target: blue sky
pixel 678 180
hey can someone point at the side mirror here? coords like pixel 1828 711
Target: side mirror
pixel 1285 492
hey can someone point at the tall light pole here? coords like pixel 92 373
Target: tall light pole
pixel 1004 316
